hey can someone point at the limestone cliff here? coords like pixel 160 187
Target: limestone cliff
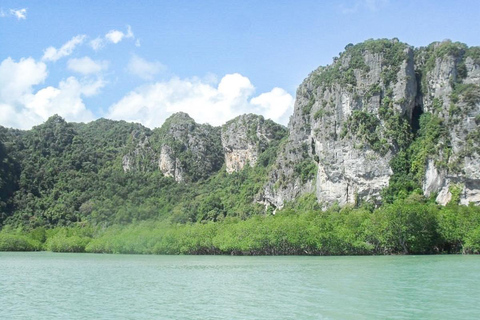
pixel 140 155
pixel 354 117
pixel 341 139
pixel 181 149
pixel 451 93
pixel 246 137
pixel 188 151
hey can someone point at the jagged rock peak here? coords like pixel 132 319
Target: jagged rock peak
pixel 178 124
pixel 188 151
pixel 245 137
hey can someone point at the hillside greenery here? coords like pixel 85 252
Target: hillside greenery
pixel 60 174
pixel 75 197
pixel 97 187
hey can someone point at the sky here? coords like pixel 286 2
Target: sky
pixel 142 61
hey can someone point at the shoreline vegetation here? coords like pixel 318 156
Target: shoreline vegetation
pixel 409 226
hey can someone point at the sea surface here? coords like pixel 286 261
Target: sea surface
pixel 88 286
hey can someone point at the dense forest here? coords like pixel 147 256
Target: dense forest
pixel 188 188
pixel 75 197
pixel 60 174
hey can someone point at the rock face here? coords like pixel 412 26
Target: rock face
pixel 181 149
pixel 245 138
pixel 451 92
pixel 188 151
pixel 353 117
pixel 140 155
pixel 339 145
pixel 378 102
pixel 170 167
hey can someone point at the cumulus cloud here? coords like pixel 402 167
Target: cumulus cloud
pixel 66 100
pixel 53 54
pixel 23 106
pixel 19 13
pixel 86 65
pixel 115 36
pixel 276 104
pixel 18 78
pixel 204 101
pixel 144 69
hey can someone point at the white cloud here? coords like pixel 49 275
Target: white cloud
pixel 18 78
pixel 90 87
pixel 23 107
pixel 143 68
pixel 276 104
pixel 53 54
pixel 97 43
pixel 66 100
pixel 86 65
pixel 152 104
pixel 19 13
pixel 115 36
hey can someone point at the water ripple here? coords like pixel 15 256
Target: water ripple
pixel 86 286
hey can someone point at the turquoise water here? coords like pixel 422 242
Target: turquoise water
pixel 87 286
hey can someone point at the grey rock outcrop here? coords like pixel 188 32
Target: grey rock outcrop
pixel 170 166
pixel 245 138
pixel 338 129
pixel 188 151
pixel 140 155
pixel 451 91
pixel 353 117
pixel 181 149
pixel 351 120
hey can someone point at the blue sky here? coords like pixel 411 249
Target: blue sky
pixel 143 60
